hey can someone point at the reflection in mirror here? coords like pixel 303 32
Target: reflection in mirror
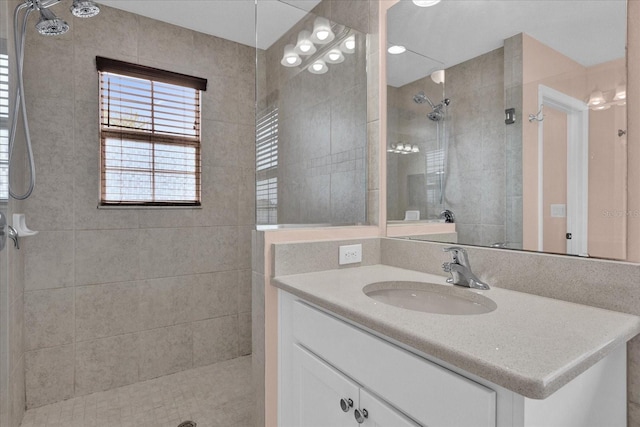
pixel 311 122
pixel 522 142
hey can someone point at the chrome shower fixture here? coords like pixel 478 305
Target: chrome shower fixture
pixel 84 8
pixel 421 98
pixel 438 110
pixel 50 25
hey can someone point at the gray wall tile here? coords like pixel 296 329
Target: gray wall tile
pixel 107 310
pixel 165 351
pixel 49 260
pixel 106 256
pixel 49 375
pixel 215 340
pixel 48 318
pixel 106 363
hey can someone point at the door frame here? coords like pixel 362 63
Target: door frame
pixel 577 167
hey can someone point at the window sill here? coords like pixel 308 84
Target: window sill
pixel 140 207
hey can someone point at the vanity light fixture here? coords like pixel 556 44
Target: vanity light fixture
pixel 290 58
pixel 396 49
pixel 425 3
pixel 334 56
pixel 305 46
pixel 322 33
pixel 402 148
pixel 318 67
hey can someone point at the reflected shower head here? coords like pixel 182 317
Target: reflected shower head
pixel 421 98
pixel 84 8
pixel 50 25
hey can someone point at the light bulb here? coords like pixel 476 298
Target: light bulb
pixel 304 45
pixel 396 49
pixel 348 45
pixel 322 33
pixel 596 98
pixel 290 57
pixel 318 67
pixel 334 56
pixel 621 93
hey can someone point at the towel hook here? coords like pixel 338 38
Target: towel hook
pixel 538 117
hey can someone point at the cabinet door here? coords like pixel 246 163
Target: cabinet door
pixel 317 393
pixel 380 414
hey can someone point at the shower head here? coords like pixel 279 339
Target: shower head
pixel 50 25
pixel 438 112
pixel 84 8
pixel 421 98
pixel 436 115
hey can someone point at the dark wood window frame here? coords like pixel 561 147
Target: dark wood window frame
pixel 160 137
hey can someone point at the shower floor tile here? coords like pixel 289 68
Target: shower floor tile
pixel 218 395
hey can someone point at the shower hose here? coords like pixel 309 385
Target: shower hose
pixel 19 32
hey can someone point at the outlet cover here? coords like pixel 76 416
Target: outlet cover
pixel 350 254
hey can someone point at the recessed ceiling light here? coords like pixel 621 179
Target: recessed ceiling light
pixel 425 3
pixel 397 49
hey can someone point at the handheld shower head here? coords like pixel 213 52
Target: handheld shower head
pixel 84 8
pixel 50 25
pixel 421 98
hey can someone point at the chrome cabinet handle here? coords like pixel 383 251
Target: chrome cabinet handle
pixel 361 416
pixel 346 404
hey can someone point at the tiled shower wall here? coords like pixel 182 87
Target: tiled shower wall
pixel 115 296
pixel 475 189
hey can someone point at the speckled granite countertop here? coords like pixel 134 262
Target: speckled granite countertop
pixel 529 344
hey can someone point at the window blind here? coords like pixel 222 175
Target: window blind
pixel 267 201
pixel 266 167
pixel 150 140
pixel 4 123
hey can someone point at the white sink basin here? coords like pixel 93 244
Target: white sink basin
pixel 430 297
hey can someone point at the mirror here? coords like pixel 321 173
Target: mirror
pixel 311 124
pixel 507 124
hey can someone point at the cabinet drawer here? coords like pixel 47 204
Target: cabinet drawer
pixel 428 393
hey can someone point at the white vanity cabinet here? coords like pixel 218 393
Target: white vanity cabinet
pixel 323 360
pixel 324 397
pixel 326 362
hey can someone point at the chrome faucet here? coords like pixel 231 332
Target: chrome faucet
pixel 460 269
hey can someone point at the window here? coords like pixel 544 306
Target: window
pixel 150 136
pixel 267 167
pixel 4 121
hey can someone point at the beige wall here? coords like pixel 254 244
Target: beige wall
pixel 633 136
pixel 607 151
pixel 554 187
pixel 115 296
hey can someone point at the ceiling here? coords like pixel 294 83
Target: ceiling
pixel 230 19
pixel 588 31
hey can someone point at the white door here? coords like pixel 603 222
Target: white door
pixel 320 393
pixel 380 414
